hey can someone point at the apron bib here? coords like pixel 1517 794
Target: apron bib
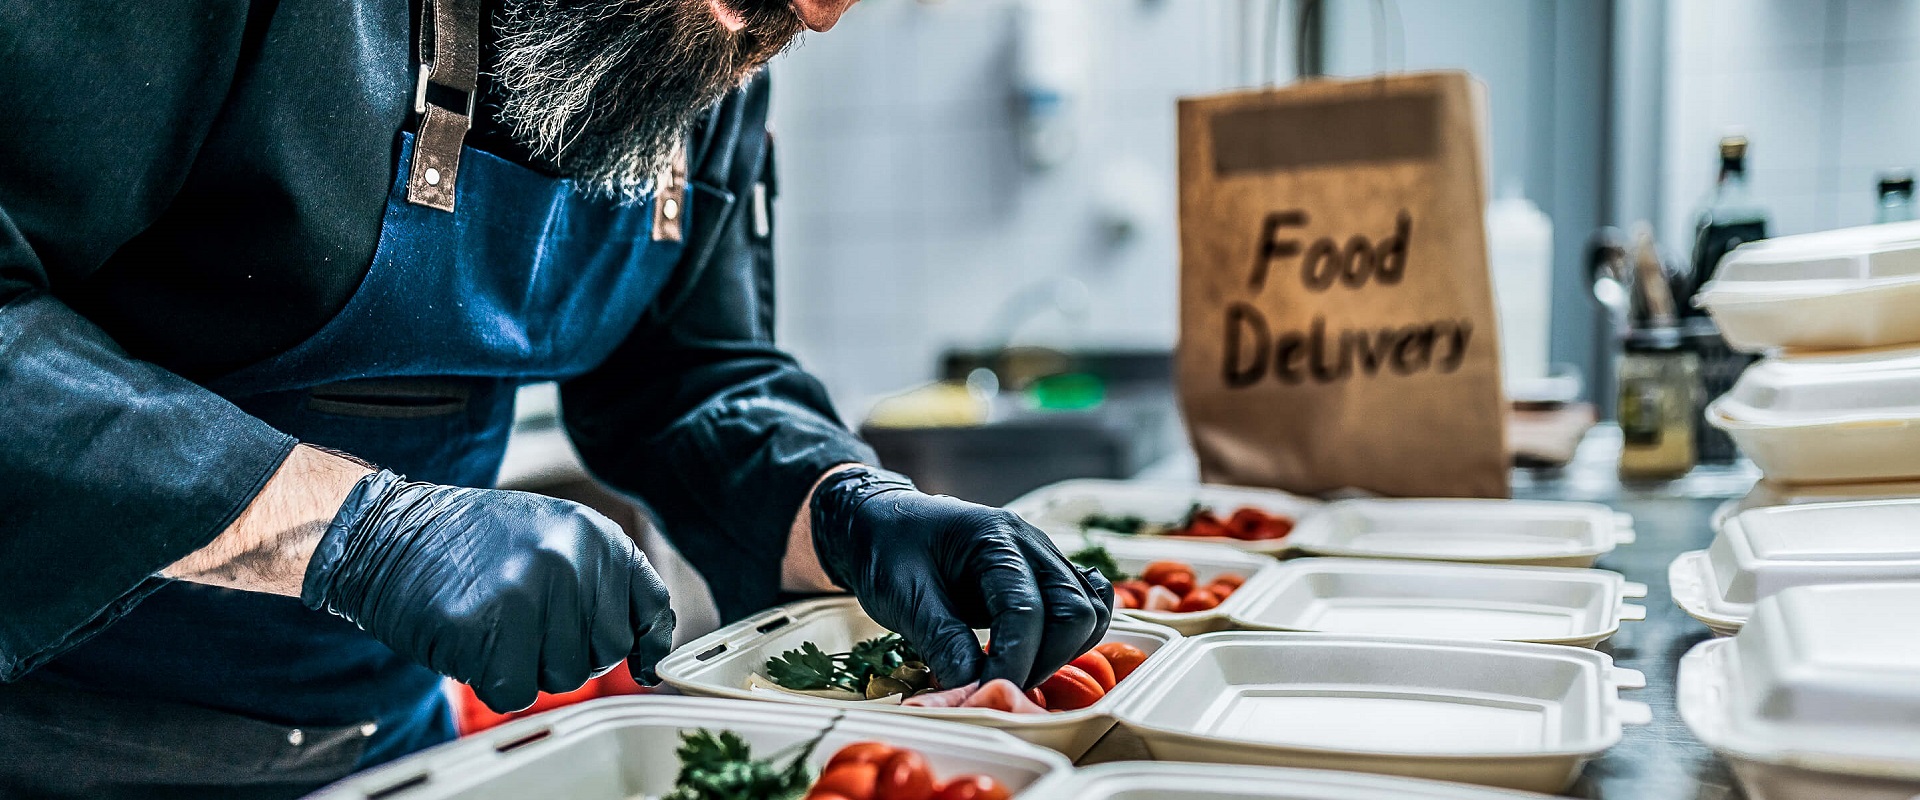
pixel 528 280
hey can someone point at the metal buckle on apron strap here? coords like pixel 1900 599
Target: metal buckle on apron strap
pixel 670 200
pixel 450 59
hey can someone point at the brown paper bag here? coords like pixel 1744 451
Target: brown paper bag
pixel 1337 326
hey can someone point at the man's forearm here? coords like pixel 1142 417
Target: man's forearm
pixel 800 571
pixel 267 547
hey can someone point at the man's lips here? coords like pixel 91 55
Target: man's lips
pixel 729 18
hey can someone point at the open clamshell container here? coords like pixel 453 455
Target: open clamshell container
pixel 1519 532
pixel 1061 507
pixel 1829 417
pixel 1848 288
pixel 1549 605
pixel 721 664
pixel 1520 716
pixel 1133 553
pixel 619 748
pixel 1818 697
pixel 1154 780
pixel 1764 551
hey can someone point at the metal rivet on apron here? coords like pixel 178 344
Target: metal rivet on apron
pixel 670 208
pixel 296 736
pixel 370 729
pixel 433 177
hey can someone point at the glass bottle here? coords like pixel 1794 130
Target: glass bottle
pixel 1658 379
pixel 1730 218
pixel 1896 197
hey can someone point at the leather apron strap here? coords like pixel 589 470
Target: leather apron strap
pixel 449 65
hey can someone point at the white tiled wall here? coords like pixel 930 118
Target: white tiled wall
pixel 1829 93
pixel 907 219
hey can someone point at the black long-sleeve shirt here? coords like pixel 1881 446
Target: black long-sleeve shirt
pixel 190 187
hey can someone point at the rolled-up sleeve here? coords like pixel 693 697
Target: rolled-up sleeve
pixel 698 413
pixel 111 468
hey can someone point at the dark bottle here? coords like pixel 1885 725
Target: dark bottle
pixel 1896 197
pixel 1730 218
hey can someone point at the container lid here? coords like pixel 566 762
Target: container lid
pixel 1823 677
pixel 1764 551
pixel 1463 530
pixel 1821 388
pixel 1141 780
pixel 1828 261
pixel 1766 494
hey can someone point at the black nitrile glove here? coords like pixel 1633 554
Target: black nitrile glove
pixel 934 568
pixel 508 592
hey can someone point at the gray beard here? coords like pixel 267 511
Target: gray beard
pixel 606 89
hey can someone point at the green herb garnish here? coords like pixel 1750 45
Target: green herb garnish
pixel 1097 557
pixel 722 767
pixel 809 668
pixel 1128 524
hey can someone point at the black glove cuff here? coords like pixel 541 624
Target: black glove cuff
pixel 836 502
pixel 345 538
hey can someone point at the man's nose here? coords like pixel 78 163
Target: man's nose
pixel 821 15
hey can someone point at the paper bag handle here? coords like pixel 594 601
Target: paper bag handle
pixel 1387 29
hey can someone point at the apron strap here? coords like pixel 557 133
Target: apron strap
pixel 450 62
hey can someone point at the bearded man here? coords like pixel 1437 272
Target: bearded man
pixel 270 274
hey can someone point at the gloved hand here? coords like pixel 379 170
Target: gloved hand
pixel 933 568
pixel 508 592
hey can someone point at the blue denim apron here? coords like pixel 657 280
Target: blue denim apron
pixel 527 280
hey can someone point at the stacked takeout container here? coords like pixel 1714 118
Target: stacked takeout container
pixel 1424 648
pixel 1816 695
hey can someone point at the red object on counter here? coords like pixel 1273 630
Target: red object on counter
pixel 471 716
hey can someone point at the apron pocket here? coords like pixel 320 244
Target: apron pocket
pixel 390 398
pixel 63 742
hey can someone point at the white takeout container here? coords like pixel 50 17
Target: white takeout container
pixel 1817 697
pixel 1059 508
pixel 1209 561
pixel 1767 494
pixel 618 748
pixel 1519 532
pixel 1828 417
pixel 1849 288
pixel 1152 780
pixel 1548 605
pixel 1761 552
pixel 1522 716
pixel 720 663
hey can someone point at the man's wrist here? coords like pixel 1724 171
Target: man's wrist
pixel 800 569
pixel 268 547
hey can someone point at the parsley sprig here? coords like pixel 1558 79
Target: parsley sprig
pixel 722 767
pixel 1099 558
pixel 810 668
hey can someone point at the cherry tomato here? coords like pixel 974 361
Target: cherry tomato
pixel 1197 600
pixel 1124 597
pixel 1157 573
pixel 1037 697
pixel 1125 658
pixel 1205 524
pixel 1221 590
pixel 904 776
pixel 1180 583
pixel 859 753
pixel 973 787
pixel 1229 579
pixel 828 796
pixel 1096 665
pixel 853 781
pixel 1070 688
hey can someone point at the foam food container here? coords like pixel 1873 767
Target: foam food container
pixel 1848 288
pixel 1209 560
pixel 1529 533
pixel 1154 780
pixel 1767 494
pixel 1817 697
pixel 619 748
pixel 1579 607
pixel 1060 507
pixel 720 664
pixel 1828 418
pixel 1764 551
pixel 1522 716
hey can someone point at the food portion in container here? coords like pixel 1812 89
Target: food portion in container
pixel 722 766
pixel 1166 586
pixel 1245 523
pixel 885 669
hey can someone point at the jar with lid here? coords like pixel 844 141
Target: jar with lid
pixel 1659 379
